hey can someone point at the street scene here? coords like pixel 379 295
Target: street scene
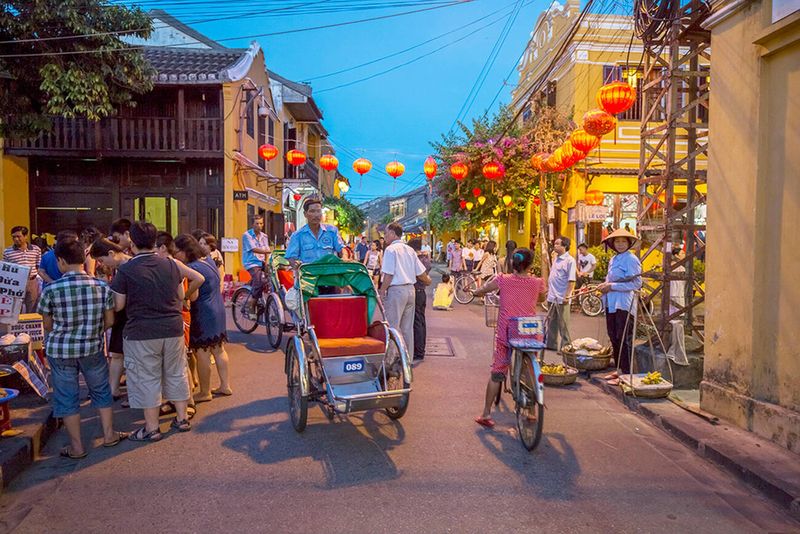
pixel 402 266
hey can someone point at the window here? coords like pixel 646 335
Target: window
pixel 397 209
pixel 527 113
pixel 262 139
pixel 520 222
pixel 271 131
pixel 251 121
pixel 551 94
pixel 615 73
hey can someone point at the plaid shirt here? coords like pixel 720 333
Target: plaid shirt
pixel 76 302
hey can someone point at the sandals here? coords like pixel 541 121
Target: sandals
pixel 119 437
pixel 166 408
pixel 181 426
pixel 190 412
pixel 199 398
pixel 66 452
pixel 221 393
pixel 486 422
pixel 142 434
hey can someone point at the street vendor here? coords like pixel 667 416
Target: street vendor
pixel 314 240
pixel 619 296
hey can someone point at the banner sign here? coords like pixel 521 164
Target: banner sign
pixel 13 280
pixel 229 244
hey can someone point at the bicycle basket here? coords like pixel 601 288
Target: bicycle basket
pixel 491 308
pixel 526 332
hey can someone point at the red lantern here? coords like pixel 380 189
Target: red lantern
pixel 430 167
pixel 459 171
pixel 537 160
pixel 267 152
pixel 296 157
pixel 462 204
pixel 598 123
pixel 583 141
pixel 537 201
pixel 297 197
pixel 494 170
pixel 594 197
pixel 616 97
pixel 395 169
pixel 553 162
pixel 362 166
pixel 476 192
pixel 328 162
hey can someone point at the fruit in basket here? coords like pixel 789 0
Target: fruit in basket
pixel 550 369
pixel 652 378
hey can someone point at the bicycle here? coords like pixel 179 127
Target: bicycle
pixel 466 284
pixel 246 315
pixel 586 299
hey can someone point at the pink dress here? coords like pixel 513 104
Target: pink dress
pixel 518 298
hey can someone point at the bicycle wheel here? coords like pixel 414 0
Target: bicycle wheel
pixel 530 414
pixel 298 404
pixel 396 379
pixel 274 322
pixel 591 305
pixel 244 319
pixel 465 286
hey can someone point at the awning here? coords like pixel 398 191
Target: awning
pixel 250 166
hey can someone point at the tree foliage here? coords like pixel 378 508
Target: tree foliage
pixel 89 75
pixel 499 138
pixel 348 215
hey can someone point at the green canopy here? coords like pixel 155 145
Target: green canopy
pixel 333 272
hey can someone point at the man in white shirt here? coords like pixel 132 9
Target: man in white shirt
pixel 401 269
pixel 426 249
pixel 469 255
pixel 586 266
pixel 477 255
pixel 560 285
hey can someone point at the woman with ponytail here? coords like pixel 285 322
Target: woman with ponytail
pixel 519 292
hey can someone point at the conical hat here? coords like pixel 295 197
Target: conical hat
pixel 620 232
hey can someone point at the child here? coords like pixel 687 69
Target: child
pixel 76 309
pixel 443 296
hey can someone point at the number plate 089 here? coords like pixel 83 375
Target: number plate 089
pixel 354 366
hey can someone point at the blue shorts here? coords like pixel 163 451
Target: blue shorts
pixel 66 387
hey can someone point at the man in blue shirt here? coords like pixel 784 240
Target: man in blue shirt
pixel 314 240
pixel 361 249
pixel 255 247
pixel 48 265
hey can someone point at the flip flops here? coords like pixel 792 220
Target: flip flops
pixel 119 437
pixel 486 422
pixel 221 393
pixel 66 452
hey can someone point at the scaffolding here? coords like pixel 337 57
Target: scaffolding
pixel 675 113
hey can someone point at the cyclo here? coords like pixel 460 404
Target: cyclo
pixel 339 358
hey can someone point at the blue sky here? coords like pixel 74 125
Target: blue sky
pixel 396 113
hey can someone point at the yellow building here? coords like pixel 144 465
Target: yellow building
pixel 752 359
pixel 566 73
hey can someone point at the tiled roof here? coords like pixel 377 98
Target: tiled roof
pixel 192 65
pixel 378 208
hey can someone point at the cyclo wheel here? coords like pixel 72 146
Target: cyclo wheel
pixel 274 322
pixel 465 286
pixel 396 379
pixel 591 304
pixel 242 316
pixel 530 414
pixel 298 404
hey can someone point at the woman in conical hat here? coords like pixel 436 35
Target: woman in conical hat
pixel 624 278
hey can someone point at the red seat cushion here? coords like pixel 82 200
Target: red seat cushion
pixel 338 317
pixel 286 278
pixel 351 346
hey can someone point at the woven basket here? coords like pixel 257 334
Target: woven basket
pixel 561 380
pixel 586 363
pixel 491 309
pixel 644 391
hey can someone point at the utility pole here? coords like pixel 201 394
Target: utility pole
pixel 543 229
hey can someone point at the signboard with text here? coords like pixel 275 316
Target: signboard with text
pixel 229 244
pixel 13 281
pixel 240 195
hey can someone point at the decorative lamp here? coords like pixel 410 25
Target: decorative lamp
pixel 430 167
pixel 594 197
pixel 598 123
pixel 507 200
pixel 462 204
pixel 267 152
pixel 328 162
pixel 296 157
pixel 537 201
pixel 297 197
pixel 537 160
pixel 481 200
pixel 395 169
pixel 470 205
pixel 583 141
pixel 616 97
pixel 459 170
pixel 494 170
pixel 476 192
pixel 362 166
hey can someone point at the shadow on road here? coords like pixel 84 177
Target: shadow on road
pixel 351 450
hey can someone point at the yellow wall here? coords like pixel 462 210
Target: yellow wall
pixel 752 360
pixel 14 197
pixel 236 222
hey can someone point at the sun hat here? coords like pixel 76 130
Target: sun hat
pixel 620 232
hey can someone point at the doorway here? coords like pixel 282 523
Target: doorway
pixel 162 211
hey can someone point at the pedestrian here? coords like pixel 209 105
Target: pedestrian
pixel 451 245
pixel 426 249
pixel 89 235
pixel 382 241
pixel 255 247
pixel 314 240
pixel 511 246
pixel 587 263
pixel 362 248
pixel 560 285
pixel 111 256
pixel 48 265
pixel 469 256
pixel 439 251
pixel 420 300
pixel 457 263
pixel 519 292
pixel 487 266
pixel 605 232
pixel 401 269
pixel 151 289
pixel 443 295
pixel 623 280
pixel 120 234
pixel 207 333
pixel 373 261
pixel 76 309
pixel 628 228
pixel 208 242
pixel 27 255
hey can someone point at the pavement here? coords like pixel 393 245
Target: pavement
pixel 601 467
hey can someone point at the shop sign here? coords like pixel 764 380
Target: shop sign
pixel 572 215
pixel 229 244
pixel 595 213
pixel 240 195
pixel 13 280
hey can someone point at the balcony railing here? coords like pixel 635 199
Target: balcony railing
pixel 114 135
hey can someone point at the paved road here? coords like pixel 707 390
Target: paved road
pixel 599 468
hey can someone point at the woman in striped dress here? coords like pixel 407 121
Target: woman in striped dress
pixel 519 292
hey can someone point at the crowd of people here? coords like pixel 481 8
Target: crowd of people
pixel 134 310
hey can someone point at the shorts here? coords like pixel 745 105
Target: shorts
pixel 66 387
pixel 156 368
pixel 115 340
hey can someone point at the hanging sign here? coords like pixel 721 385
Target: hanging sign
pixel 13 280
pixel 240 195
pixel 229 244
pixel 594 213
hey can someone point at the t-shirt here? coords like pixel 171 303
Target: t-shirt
pixel 587 264
pixel 469 253
pixel 562 272
pixel 153 304
pixel 477 255
pixel 443 296
pixel 402 263
pixel 49 264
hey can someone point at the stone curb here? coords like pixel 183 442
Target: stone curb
pixel 19 452
pixel 698 435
